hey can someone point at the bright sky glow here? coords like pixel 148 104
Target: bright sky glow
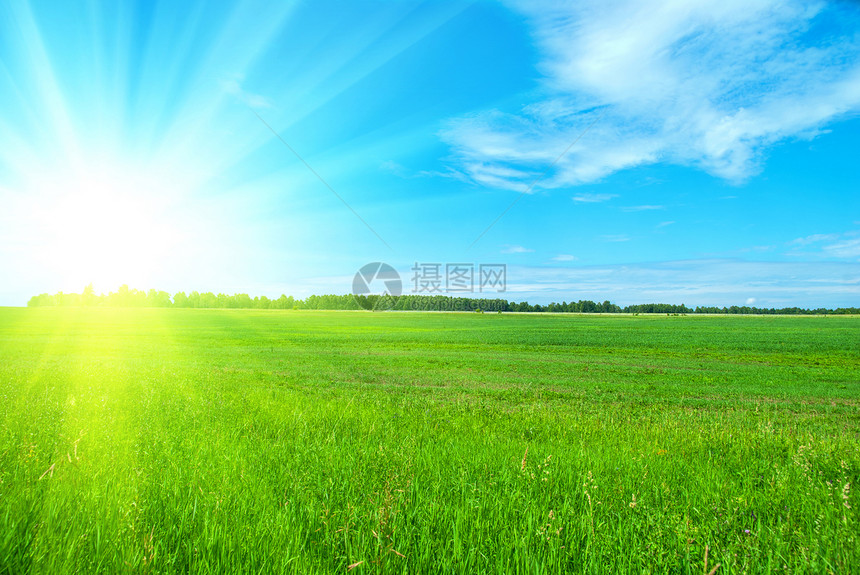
pixel 720 167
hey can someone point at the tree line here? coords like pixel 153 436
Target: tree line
pixel 129 297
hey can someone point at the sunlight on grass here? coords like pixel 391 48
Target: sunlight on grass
pixel 238 441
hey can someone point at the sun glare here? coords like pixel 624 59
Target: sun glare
pixel 106 224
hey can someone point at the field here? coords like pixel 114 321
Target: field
pixel 209 441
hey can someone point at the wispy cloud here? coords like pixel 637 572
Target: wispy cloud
pixel 593 198
pixel 233 86
pixel 849 248
pixel 641 208
pixel 393 167
pixel 694 282
pixel 499 176
pixel 757 249
pixel 515 250
pixel 664 224
pixel 814 238
pixel 833 245
pixel 703 84
pixel 564 258
pixel 615 238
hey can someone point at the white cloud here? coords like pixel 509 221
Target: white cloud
pixel 750 301
pixel 641 208
pixel 814 238
pixel 593 198
pixel 233 86
pixel 844 245
pixel 499 176
pixel 564 258
pixel 849 248
pixel 516 250
pixel 393 167
pixel 704 84
pixel 693 282
pixel 664 224
pixel 615 238
pixel 758 249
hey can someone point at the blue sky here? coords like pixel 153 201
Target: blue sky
pixel 713 157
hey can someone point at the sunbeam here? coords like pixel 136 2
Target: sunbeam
pixel 421 116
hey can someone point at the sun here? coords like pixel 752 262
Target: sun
pixel 106 223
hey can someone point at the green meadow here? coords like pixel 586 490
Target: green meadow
pixel 239 441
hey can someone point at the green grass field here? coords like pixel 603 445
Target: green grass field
pixel 170 441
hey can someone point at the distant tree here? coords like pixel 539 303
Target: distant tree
pixel 126 297
pixel 120 298
pixel 194 299
pixel 208 299
pixel 88 296
pixel 241 301
pixel 285 302
pixel 68 299
pixel 157 298
pixel 180 299
pixel 41 300
pixel 137 297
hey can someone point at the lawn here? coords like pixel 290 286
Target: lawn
pixel 236 441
